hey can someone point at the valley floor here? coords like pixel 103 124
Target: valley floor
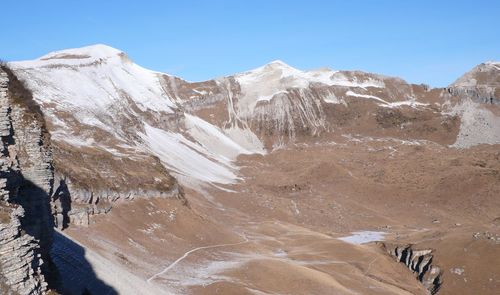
pixel 283 229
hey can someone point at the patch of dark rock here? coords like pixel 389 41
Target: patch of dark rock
pixel 420 262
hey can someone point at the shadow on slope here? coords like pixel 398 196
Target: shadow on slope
pixel 65 266
pixel 77 274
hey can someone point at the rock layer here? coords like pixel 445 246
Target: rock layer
pixel 420 262
pixel 481 84
pixel 26 177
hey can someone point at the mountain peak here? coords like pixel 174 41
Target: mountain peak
pixel 82 56
pixel 92 51
pixel 278 65
pixel 278 62
pixel 492 62
pixel 271 68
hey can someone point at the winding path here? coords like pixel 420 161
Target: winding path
pixel 192 251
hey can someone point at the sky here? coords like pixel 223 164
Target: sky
pixel 432 42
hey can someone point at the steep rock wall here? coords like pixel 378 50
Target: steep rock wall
pixel 482 94
pixel 26 178
pixel 481 84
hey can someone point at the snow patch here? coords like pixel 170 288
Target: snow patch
pixel 215 140
pixel 187 158
pixel 351 93
pixel 363 237
pixel 245 138
pixel 410 103
pixel 340 79
pixel 331 98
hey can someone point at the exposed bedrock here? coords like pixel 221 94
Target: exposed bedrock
pixel 482 94
pixel 482 83
pixel 420 262
pixel 26 177
pixel 75 205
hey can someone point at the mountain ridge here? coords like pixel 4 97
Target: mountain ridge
pixel 274 163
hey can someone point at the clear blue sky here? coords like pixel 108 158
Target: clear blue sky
pixel 421 41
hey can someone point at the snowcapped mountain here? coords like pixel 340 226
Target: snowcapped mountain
pixel 100 104
pixel 328 152
pixel 280 103
pixel 101 108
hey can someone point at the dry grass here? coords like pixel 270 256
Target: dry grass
pixel 4 217
pixel 99 170
pixel 5 213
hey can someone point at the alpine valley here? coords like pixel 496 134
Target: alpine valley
pixel 116 179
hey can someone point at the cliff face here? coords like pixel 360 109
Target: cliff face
pixel 481 84
pixel 26 178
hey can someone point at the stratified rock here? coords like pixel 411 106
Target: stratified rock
pixel 482 83
pixel 420 263
pixel 26 177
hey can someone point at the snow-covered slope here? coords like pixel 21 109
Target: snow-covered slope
pixel 276 78
pixel 96 100
pixel 95 78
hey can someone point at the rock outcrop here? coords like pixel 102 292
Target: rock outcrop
pixel 420 262
pixel 26 178
pixel 482 84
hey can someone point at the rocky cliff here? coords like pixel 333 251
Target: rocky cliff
pixel 482 83
pixel 420 262
pixel 26 179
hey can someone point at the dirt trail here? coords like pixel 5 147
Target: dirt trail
pixel 173 264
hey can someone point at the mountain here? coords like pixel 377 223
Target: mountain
pixel 115 124
pixel 114 128
pixel 271 180
pixel 279 100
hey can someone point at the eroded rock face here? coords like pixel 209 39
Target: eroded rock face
pixel 75 205
pixel 26 178
pixel 482 84
pixel 420 263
